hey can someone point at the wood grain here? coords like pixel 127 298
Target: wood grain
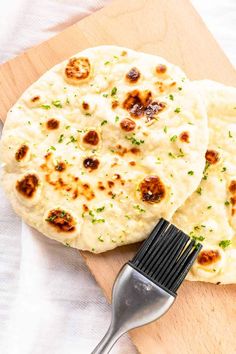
pixel 204 317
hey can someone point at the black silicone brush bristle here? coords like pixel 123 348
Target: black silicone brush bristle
pixel 166 256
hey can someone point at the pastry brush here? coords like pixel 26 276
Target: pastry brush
pixel 146 286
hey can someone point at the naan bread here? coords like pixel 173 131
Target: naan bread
pixel 102 146
pixel 209 215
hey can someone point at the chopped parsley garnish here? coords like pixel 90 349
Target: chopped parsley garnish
pixel 52 148
pixel 171 97
pixel 105 95
pixel 177 110
pixel 45 106
pixel 190 173
pixel 158 162
pixel 172 155
pixel 230 134
pixel 114 91
pixel 227 203
pixel 199 190
pixel 100 238
pixel 67 101
pixel 117 119
pixel 165 129
pixel 72 140
pixel 61 138
pixel 51 218
pixel 107 62
pixel 98 221
pixel 67 127
pixel 137 207
pixel 67 244
pixel 88 114
pixel 133 140
pixel 209 207
pixel 224 243
pixel 181 153
pixel 223 169
pixel 198 238
pixel 104 122
pixel 180 88
pixel 57 103
pixel 173 138
pixel 99 210
pixel 127 217
pixel 29 122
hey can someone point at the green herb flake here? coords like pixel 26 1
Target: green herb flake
pixel 198 238
pixel 223 169
pixel 224 244
pixel 177 110
pixel 137 207
pixel 105 95
pixel 171 97
pixel 45 106
pixel 190 173
pixel 72 140
pixel 100 238
pixel 171 155
pixel 180 88
pixel 107 62
pixel 127 217
pixel 227 203
pixel 99 210
pixel 29 122
pixel 230 134
pixel 165 129
pixel 173 138
pixel 114 91
pixel 98 221
pixel 104 122
pixel 51 218
pixel 61 138
pixel 209 207
pixel 67 127
pixel 117 119
pixel 57 103
pixel 133 140
pixel 199 191
pixel 52 148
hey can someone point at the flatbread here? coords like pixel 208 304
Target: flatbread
pixel 209 215
pixel 102 146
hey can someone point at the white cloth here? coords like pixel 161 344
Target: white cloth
pixel 49 302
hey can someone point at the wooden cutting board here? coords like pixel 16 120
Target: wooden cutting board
pixel 203 319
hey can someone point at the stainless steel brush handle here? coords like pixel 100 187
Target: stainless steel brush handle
pixel 136 301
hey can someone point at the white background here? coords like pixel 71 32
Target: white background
pixel 49 302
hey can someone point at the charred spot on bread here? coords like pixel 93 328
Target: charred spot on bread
pixel 153 109
pixel 161 69
pixel 85 106
pixel 114 104
pixel 208 257
pixel 133 75
pixel 91 138
pixel 184 137
pixel 27 186
pixel 152 189
pixel 21 152
pixel 61 220
pixel 77 70
pixel 212 157
pixel 232 187
pixel 35 99
pixel 60 167
pixel 91 163
pixel 136 102
pixel 127 124
pixel 52 124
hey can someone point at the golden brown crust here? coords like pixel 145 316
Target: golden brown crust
pixel 152 189
pixel 127 124
pixel 153 109
pixel 91 138
pixel 35 99
pixel 77 70
pixel 232 187
pixel 61 220
pixel 208 257
pixel 136 101
pixel 212 156
pixel 133 75
pixel 28 185
pixel 161 69
pixel 52 124
pixel 21 152
pixel 60 167
pixel 85 106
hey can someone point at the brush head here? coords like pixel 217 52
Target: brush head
pixel 166 256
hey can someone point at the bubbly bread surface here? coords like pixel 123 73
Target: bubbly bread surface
pixel 209 215
pixel 102 146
